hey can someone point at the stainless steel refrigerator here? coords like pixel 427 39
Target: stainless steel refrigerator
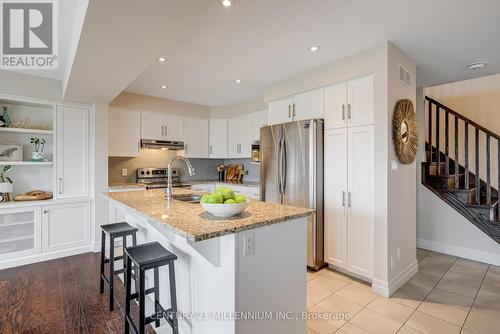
pixel 291 173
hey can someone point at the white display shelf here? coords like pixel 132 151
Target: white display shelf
pixel 32 131
pixel 26 163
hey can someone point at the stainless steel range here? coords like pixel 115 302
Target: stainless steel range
pixel 154 178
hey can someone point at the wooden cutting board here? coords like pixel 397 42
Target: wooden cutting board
pixel 35 195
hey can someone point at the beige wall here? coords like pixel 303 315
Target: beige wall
pixel 402 191
pixel 244 107
pixel 30 85
pixel 156 104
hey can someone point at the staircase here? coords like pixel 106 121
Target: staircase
pixel 454 181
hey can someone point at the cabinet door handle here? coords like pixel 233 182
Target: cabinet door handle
pixel 349 111
pixel 343 112
pixel 349 200
pixel 343 198
pixel 60 185
pixel 185 148
pixel 210 149
pixel 289 111
pixel 45 211
pixel 294 110
pixel 162 131
pixel 166 130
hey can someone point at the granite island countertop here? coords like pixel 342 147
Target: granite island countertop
pixel 191 221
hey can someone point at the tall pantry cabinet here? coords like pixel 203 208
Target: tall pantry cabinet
pixel 349 175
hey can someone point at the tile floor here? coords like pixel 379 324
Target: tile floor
pixel 448 295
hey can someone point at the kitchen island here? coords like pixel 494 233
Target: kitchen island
pixel 244 274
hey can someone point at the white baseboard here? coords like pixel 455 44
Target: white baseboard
pixel 44 257
pixel 466 253
pixel 387 289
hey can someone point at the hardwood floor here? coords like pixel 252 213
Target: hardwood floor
pixel 59 296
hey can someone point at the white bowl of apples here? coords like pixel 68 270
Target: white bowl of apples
pixel 224 202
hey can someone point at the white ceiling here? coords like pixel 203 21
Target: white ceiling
pixel 264 41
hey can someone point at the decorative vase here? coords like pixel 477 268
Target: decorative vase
pixel 37 156
pixel 5 189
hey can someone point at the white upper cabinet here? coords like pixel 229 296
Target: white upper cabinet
pixel 240 136
pixel 160 126
pixel 336 106
pixel 361 101
pixel 350 103
pixel 302 106
pixel 124 132
pixel 196 138
pixel 308 105
pixel 260 119
pixel 280 111
pixel 218 138
pixel 73 159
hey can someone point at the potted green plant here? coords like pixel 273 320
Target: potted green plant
pixel 5 184
pixel 39 144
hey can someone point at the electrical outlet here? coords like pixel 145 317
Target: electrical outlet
pixel 394 165
pixel 248 243
pixel 393 262
pixel 124 172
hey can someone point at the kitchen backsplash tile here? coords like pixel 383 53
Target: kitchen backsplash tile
pixel 206 169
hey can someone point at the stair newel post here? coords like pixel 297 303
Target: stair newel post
pixel 438 152
pixel 488 167
pixel 446 142
pixel 478 179
pixel 429 152
pixel 457 168
pixel 466 156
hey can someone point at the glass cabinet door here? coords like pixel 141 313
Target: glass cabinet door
pixel 19 232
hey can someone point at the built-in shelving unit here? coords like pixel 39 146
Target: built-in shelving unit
pixel 26 174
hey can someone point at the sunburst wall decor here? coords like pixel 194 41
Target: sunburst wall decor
pixel 404 131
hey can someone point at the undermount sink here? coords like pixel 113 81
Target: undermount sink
pixel 188 198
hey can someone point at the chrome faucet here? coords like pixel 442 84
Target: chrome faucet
pixel 169 192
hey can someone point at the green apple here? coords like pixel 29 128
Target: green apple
pixel 227 193
pixel 215 198
pixel 230 201
pixel 204 198
pixel 240 198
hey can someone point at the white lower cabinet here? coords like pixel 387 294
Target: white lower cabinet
pixel 65 226
pixel 349 199
pixel 20 232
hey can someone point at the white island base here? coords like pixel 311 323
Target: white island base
pixel 259 274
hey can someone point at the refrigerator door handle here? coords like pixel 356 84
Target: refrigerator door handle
pixel 283 166
pixel 278 167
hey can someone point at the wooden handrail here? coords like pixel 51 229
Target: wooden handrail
pixel 465 119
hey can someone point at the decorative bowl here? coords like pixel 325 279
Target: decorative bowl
pixel 225 210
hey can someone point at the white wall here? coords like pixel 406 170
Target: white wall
pixel 440 227
pixel 30 85
pixel 237 109
pixel 156 104
pixel 402 200
pixel 389 208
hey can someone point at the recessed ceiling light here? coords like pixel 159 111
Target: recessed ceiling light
pixel 162 59
pixel 227 3
pixel 238 81
pixel 476 66
pixel 164 86
pixel 314 48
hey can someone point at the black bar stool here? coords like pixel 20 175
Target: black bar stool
pixel 145 257
pixel 117 230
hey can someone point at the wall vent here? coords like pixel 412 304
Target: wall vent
pixel 404 76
